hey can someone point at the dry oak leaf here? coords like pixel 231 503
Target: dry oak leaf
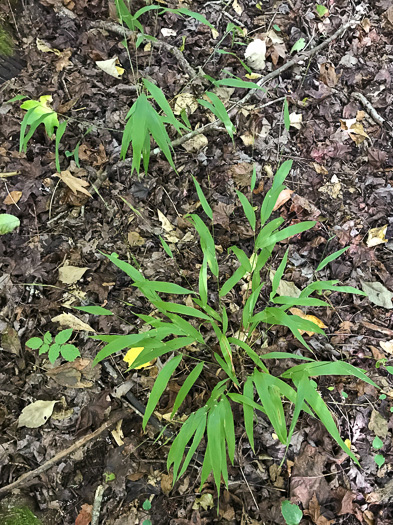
pixel 314 511
pixel 84 516
pixel 327 74
pixel 12 197
pixel 73 183
pixel 284 196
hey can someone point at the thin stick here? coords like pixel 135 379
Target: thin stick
pixel 298 58
pixel 95 513
pixel 27 476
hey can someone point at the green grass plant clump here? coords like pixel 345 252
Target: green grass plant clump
pixel 179 325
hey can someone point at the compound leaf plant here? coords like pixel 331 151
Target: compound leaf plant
pixel 178 326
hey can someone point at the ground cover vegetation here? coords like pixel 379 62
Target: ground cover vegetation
pixel 210 329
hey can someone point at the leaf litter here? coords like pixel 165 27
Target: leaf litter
pixel 342 177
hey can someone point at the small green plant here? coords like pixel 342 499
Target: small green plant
pixel 146 506
pixel 8 223
pixel 55 347
pixel 291 513
pixel 178 325
pixel 321 10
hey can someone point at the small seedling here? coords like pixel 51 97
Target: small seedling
pixel 377 443
pixel 379 460
pixel 291 513
pixel 321 10
pixel 146 506
pixel 55 347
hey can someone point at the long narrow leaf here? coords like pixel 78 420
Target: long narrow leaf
pixel 186 387
pixel 159 387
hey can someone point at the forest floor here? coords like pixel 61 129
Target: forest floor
pixel 341 177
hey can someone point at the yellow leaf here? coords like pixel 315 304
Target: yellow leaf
pixel 253 76
pixel 377 236
pixel 132 354
pixel 312 318
pixel 348 443
pixel 73 183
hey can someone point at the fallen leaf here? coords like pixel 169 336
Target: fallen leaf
pixel 237 7
pixel 332 188
pixel 255 54
pixel 378 424
pixel 312 318
pixel 74 183
pixel 165 31
pixel 314 511
pixel 135 239
pixel 387 346
pixel 71 321
pixel 117 434
pixel 378 294
pixel 205 502
pixel 41 46
pixel 64 60
pixel 283 197
pixel 71 274
pixel 13 197
pixel 327 74
pixel 85 515
pixel 295 120
pixel 274 37
pixel 36 414
pixel 286 288
pixel 196 143
pixel 110 67
pixel 248 139
pixel 166 483
pixel 166 225
pixel 77 374
pixel 377 236
pixel 187 102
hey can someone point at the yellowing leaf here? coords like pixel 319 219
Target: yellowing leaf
pixel 132 354
pixel 348 443
pixel 74 183
pixel 248 139
pixel 71 321
pixel 215 33
pixel 36 414
pixel 135 239
pixel 253 76
pixel 377 236
pixel 110 67
pixel 41 46
pixel 312 318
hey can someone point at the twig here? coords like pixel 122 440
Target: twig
pixel 27 476
pixel 369 107
pixel 113 27
pixel 298 58
pixel 95 513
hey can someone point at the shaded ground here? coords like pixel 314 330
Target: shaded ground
pixel 341 180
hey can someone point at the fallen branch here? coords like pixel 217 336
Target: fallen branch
pixel 24 478
pixel 298 58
